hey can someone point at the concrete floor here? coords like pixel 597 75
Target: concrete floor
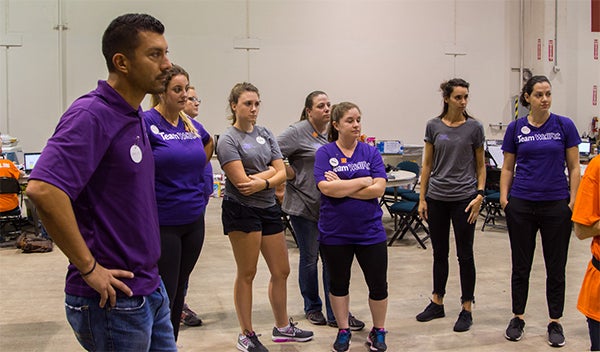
pixel 33 318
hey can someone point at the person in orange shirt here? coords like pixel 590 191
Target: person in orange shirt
pixel 586 217
pixel 9 203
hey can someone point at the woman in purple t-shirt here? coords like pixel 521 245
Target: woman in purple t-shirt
pixel 540 144
pixel 351 175
pixel 181 148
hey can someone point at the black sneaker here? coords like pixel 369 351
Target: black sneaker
pixel 353 323
pixel 291 333
pixel 189 317
pixel 316 318
pixel 376 340
pixel 464 321
pixel 248 342
pixel 556 337
pixel 432 311
pixel 514 331
pixel 342 341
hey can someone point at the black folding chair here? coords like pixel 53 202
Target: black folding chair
pixel 408 220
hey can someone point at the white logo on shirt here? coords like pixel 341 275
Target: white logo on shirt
pixel 334 162
pixel 361 165
pixel 260 140
pixel 154 129
pixel 525 130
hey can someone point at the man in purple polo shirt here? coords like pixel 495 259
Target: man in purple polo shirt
pixel 94 190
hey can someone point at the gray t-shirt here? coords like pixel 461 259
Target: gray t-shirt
pixel 298 143
pixel 453 174
pixel 256 150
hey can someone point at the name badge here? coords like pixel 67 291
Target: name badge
pixel 135 153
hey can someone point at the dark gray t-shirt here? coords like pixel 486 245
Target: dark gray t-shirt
pixel 453 174
pixel 298 143
pixel 256 150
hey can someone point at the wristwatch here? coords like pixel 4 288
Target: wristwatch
pixel 481 192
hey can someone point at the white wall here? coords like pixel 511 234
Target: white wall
pixel 387 56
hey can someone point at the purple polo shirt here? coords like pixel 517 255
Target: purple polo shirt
pixel 180 169
pixel 348 220
pixel 100 156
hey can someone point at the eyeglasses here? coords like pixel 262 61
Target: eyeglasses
pixel 194 100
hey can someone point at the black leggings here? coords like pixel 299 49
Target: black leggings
pixel 594 327
pixel 180 249
pixel 373 261
pixel 440 213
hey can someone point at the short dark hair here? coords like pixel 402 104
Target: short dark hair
pixel 528 88
pixel 121 35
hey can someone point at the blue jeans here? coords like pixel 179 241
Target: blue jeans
pixel 307 233
pixel 138 323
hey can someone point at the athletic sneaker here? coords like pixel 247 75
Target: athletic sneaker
pixel 353 323
pixel 189 317
pixel 556 337
pixel 248 342
pixel 342 341
pixel 514 331
pixel 316 317
pixel 291 333
pixel 376 340
pixel 464 321
pixel 432 311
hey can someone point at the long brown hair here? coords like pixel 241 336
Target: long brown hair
pixel 337 112
pixel 528 88
pixel 447 88
pixel 235 94
pixel 175 70
pixel 309 102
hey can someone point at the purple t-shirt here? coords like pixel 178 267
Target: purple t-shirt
pixel 208 183
pixel 180 163
pixel 348 220
pixel 101 158
pixel 540 157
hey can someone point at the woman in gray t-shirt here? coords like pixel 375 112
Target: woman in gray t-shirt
pixel 452 186
pixel 251 159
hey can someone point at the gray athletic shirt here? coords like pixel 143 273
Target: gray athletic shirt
pixel 256 150
pixel 453 174
pixel 298 143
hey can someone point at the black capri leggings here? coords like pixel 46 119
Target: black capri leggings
pixel 373 261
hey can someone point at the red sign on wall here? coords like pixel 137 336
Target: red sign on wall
pixel 595 95
pixel 595 49
pixel 539 49
pixel 550 50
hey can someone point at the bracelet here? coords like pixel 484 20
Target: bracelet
pixel 91 270
pixel 481 192
pixel 267 184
